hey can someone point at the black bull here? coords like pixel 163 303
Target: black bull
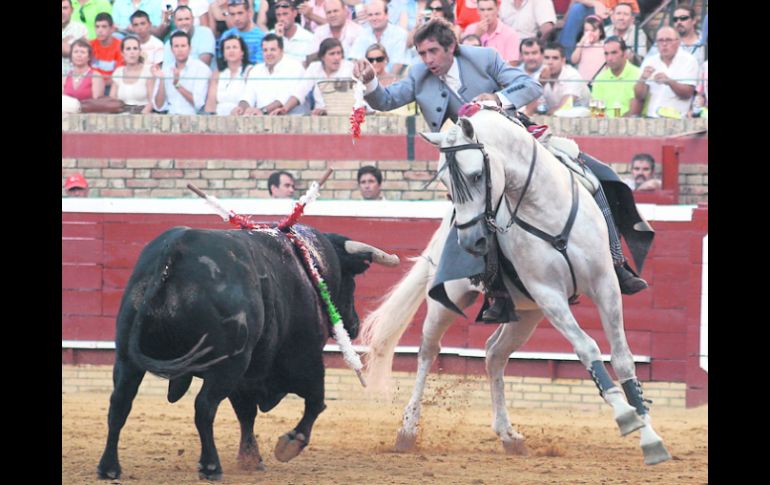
pixel 237 309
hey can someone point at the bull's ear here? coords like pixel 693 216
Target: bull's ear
pixel 432 138
pixel 467 127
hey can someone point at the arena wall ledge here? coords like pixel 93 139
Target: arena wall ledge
pixel 157 155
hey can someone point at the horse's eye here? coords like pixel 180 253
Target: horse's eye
pixel 477 178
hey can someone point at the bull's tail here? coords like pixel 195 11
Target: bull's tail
pixel 382 329
pixel 189 363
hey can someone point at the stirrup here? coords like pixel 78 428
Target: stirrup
pixel 500 311
pixel 630 283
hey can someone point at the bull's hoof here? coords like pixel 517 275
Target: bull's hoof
pixel 655 453
pixel 405 442
pixel 290 445
pixel 210 472
pixel 108 474
pixel 629 421
pixel 515 447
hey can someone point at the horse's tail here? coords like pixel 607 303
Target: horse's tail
pixel 382 329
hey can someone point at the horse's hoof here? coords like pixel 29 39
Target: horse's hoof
pixel 250 462
pixel 515 447
pixel 405 441
pixel 629 422
pixel 209 472
pixel 655 453
pixel 289 446
pixel 113 474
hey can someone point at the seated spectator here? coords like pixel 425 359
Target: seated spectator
pixel 436 9
pixel 531 55
pixel 643 173
pixel 81 81
pixel 227 87
pixel 271 84
pixel 297 42
pixel 564 86
pixel 700 104
pixel 244 26
pixel 493 33
pixel 466 13
pixel 380 31
pixel 530 19
pixel 588 56
pixel 623 26
pixel 281 185
pixel 182 86
pixel 152 47
pixel 123 10
pixel 133 82
pixel 378 58
pixel 614 85
pixel 70 32
pixel 684 22
pixel 202 43
pixel 313 14
pixel 198 8
pixel 107 55
pixel 266 14
pixel 85 12
pixel 470 39
pixel 370 183
pixel 76 185
pixel 667 83
pixel 332 65
pixel 578 11
pixel 337 26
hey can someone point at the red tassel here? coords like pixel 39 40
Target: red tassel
pixel 356 120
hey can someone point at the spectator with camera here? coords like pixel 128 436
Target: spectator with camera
pixel 435 9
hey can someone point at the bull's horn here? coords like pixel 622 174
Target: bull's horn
pixel 378 255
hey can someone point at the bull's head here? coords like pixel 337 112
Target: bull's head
pixel 355 258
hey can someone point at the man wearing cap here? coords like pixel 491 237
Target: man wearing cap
pixel 76 186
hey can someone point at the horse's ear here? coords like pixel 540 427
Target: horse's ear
pixel 467 127
pixel 432 138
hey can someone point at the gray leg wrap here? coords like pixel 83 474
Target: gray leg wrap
pixel 601 377
pixel 615 249
pixel 633 390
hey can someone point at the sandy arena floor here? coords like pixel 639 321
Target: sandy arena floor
pixel 352 444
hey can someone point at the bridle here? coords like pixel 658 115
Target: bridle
pixel 559 242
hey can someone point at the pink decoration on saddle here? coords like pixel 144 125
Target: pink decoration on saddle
pixel 469 109
pixel 537 130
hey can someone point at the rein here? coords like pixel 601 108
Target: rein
pixel 559 242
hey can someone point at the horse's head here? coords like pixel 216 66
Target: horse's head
pixel 474 183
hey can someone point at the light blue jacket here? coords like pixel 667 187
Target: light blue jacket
pixel 482 70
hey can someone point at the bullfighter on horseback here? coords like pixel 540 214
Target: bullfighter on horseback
pixel 451 76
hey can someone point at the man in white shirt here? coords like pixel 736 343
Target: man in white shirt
pixel 379 31
pixel 529 18
pixel 297 41
pixel 152 47
pixel 563 81
pixel 338 26
pixel 271 84
pixel 668 79
pixel 70 32
pixel 202 42
pixel 185 82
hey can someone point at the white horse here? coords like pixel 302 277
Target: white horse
pixel 494 157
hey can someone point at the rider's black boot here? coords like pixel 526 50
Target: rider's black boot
pixel 499 309
pixel 630 283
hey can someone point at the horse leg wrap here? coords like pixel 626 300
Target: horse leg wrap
pixel 615 248
pixel 601 377
pixel 633 390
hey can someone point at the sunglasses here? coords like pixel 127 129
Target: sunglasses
pixel 376 59
pixel 283 5
pixel 82 15
pixel 681 18
pixel 433 9
pixel 236 2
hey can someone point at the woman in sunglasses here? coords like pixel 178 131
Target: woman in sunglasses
pixel 378 57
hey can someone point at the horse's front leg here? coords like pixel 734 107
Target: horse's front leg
pixel 437 321
pixel 506 339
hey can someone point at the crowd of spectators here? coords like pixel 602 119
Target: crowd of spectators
pixel 266 57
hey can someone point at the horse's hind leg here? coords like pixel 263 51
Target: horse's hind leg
pixel 611 312
pixel 437 321
pixel 504 341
